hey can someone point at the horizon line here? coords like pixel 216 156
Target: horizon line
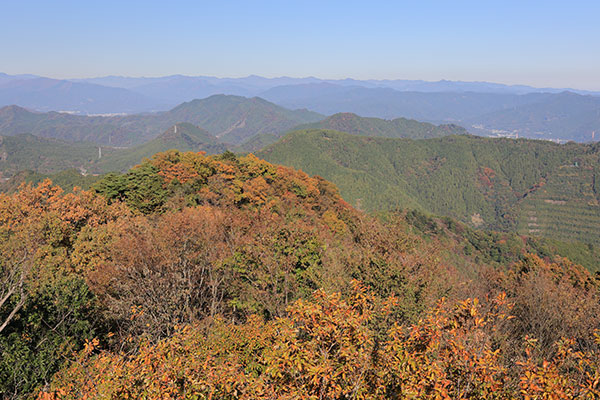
pixel 273 77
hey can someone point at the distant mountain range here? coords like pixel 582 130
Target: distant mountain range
pixel 45 94
pixel 388 103
pixel 233 119
pixel 483 108
pixel 88 96
pixel 202 86
pixel 556 116
pixel 532 187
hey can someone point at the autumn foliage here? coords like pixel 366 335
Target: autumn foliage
pixel 216 277
pixel 336 348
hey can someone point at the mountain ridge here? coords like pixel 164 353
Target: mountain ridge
pixel 45 94
pixel 216 114
pixel 377 127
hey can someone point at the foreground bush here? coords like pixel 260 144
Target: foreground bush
pixel 337 348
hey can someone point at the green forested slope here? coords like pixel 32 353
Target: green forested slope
pixel 22 152
pixel 492 183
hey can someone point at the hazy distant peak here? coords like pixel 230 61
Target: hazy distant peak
pixel 15 110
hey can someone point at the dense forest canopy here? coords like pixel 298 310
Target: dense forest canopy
pixel 197 276
pixel 529 186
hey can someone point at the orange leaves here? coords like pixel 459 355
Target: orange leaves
pixel 173 165
pixel 177 172
pixel 445 355
pixel 90 346
pixel 226 170
pixel 256 190
pixel 326 348
pixel 314 353
pixel 74 209
pixel 570 374
pixel 183 167
pixel 29 202
pixel 188 365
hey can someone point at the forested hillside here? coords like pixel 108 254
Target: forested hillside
pixel 182 136
pixel 230 277
pixel 23 152
pixel 533 187
pixel 50 156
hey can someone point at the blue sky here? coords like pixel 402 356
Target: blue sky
pixel 541 43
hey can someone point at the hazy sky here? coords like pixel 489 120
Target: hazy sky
pixel 541 43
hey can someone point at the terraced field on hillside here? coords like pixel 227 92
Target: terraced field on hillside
pixel 567 207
